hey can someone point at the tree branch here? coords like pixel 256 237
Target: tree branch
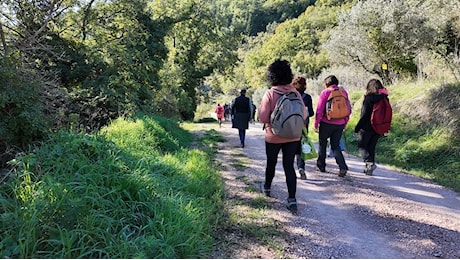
pixel 2 38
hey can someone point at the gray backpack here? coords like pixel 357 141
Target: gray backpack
pixel 287 117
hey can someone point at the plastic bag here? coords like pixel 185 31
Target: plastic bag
pixel 307 148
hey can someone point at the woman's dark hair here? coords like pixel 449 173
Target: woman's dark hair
pixel 279 73
pixel 373 86
pixel 331 80
pixel 299 83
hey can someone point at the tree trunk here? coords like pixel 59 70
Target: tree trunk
pixel 2 38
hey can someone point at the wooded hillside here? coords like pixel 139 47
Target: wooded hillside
pixel 78 64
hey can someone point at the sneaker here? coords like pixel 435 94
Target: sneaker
pixel 302 174
pixel 292 205
pixel 370 167
pixel 263 190
pixel 342 173
pixel 320 169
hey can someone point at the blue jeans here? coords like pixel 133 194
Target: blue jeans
pixel 289 150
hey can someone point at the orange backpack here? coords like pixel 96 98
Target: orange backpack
pixel 337 106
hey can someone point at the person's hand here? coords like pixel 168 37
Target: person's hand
pixel 316 130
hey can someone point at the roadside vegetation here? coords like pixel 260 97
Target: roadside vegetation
pixel 133 190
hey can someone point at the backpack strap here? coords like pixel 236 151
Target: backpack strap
pixel 278 91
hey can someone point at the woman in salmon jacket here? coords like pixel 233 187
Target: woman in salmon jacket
pixel 279 77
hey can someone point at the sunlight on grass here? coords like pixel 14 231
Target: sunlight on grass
pixel 130 191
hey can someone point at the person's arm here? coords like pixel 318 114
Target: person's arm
pixel 321 107
pixel 366 112
pixel 232 107
pixel 264 108
pixel 309 105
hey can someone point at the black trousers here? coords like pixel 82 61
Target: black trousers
pixel 367 141
pixel 334 132
pixel 289 150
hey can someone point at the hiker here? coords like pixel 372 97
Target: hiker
pixel 279 77
pixel 300 84
pixel 328 127
pixel 227 112
pixel 220 114
pixel 367 137
pixel 241 115
pixel 253 113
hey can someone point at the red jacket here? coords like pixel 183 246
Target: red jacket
pixel 219 111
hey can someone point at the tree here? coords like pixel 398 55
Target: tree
pixel 381 42
pixel 199 44
pixel 26 90
pixel 446 42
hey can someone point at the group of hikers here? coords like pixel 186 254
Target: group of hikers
pixel 328 126
pixel 241 111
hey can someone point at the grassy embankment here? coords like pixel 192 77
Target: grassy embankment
pixel 134 190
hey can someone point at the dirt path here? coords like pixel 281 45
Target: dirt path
pixel 388 215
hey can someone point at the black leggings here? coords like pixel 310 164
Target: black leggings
pixel 366 143
pixel 289 150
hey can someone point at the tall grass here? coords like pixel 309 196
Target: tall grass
pixel 133 190
pixel 424 138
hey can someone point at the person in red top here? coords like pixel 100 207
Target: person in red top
pixel 330 128
pixel 220 114
pixel 279 77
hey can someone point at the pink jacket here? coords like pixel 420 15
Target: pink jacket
pixel 320 115
pixel 267 106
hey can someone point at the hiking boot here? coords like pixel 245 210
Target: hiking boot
pixel 370 167
pixel 319 169
pixel 263 190
pixel 292 205
pixel 303 176
pixel 342 173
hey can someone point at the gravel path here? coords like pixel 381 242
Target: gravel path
pixel 388 215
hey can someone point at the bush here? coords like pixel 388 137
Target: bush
pixel 21 109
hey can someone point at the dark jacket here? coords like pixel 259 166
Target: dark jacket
pixel 241 111
pixel 309 105
pixel 364 122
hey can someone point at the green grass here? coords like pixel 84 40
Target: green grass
pixel 134 190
